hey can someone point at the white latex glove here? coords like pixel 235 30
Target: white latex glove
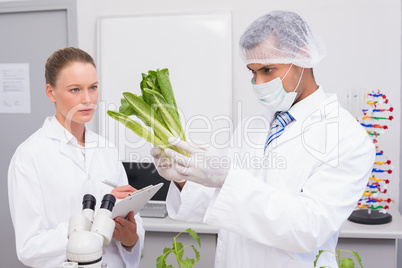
pixel 204 166
pixel 164 166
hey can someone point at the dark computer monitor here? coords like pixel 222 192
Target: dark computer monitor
pixel 141 175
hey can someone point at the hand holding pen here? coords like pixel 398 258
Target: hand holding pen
pixel 120 192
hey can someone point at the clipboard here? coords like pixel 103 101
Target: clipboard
pixel 135 201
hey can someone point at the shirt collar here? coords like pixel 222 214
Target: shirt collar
pixel 62 133
pixel 55 130
pixel 305 107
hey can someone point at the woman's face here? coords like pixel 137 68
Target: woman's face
pixel 75 94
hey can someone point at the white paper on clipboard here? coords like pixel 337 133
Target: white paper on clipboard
pixel 135 201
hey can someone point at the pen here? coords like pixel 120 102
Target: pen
pixel 111 184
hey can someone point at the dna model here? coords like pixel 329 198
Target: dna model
pixel 373 206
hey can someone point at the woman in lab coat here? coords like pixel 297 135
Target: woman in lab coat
pixel 61 162
pixel 296 170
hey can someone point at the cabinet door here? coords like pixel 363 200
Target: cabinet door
pixel 373 252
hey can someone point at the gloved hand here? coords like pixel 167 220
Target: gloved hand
pixel 204 166
pixel 164 166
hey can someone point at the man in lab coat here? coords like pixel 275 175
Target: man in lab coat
pixel 296 171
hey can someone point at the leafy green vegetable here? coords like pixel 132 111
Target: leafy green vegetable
pixel 178 252
pixel 167 112
pixel 147 115
pixel 343 263
pixel 126 108
pixel 194 235
pixel 347 263
pixel 165 86
pixel 156 107
pixel 136 128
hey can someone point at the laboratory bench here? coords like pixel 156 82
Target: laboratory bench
pixel 377 245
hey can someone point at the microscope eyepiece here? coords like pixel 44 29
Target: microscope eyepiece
pixel 108 202
pixel 89 201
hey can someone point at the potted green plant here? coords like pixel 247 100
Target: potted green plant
pixel 344 262
pixel 178 252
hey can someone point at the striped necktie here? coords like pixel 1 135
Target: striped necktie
pixel 281 121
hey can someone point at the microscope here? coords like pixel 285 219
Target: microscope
pixel 87 234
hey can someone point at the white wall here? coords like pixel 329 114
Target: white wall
pixel 363 40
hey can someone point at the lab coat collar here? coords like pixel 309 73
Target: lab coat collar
pixel 61 133
pixel 55 130
pixel 307 111
pixel 301 110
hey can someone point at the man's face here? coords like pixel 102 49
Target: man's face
pixel 265 73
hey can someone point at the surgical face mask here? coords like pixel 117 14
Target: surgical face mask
pixel 273 96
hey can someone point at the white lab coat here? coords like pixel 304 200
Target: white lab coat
pixel 47 180
pixel 278 209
